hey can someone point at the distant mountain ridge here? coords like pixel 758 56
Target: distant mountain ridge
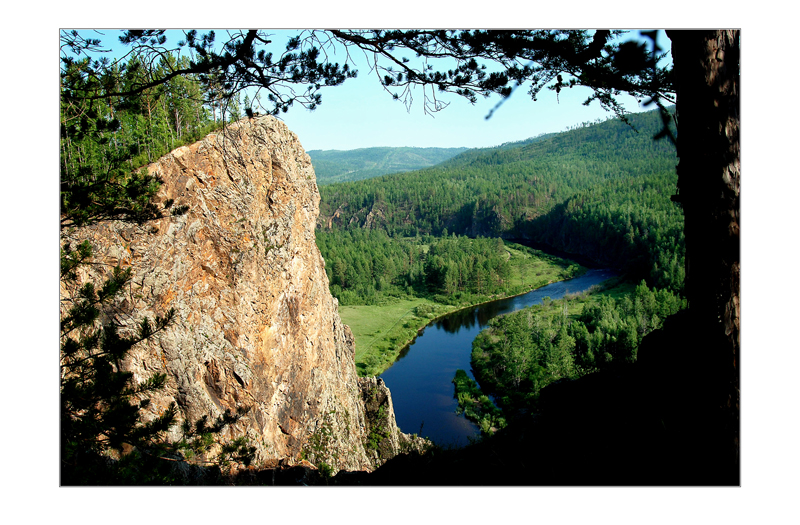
pixel 333 166
pixel 477 153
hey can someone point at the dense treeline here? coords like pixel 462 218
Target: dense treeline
pixel 362 264
pixel 366 266
pixel 522 352
pixel 630 224
pixel 125 133
pixel 467 265
pixel 610 330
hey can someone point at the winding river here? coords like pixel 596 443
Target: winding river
pixel 421 378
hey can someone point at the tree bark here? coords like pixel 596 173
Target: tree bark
pixel 706 69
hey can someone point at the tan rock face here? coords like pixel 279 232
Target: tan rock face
pixel 256 324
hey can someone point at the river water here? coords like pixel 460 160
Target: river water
pixel 421 378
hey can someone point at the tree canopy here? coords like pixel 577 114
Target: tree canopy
pixel 468 63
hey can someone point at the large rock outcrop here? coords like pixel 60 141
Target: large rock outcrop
pixel 256 324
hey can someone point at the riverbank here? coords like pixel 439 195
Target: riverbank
pixel 421 381
pixel 384 332
pixel 481 407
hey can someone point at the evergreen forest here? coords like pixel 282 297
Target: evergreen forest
pixel 128 132
pixel 601 190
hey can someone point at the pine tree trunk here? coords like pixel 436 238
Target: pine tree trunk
pixel 706 68
pixel 178 123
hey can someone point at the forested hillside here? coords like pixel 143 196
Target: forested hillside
pixel 342 166
pixel 626 223
pixel 601 190
pixel 496 192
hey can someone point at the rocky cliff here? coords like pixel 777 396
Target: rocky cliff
pixel 256 325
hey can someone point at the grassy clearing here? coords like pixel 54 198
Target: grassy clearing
pixel 615 288
pixel 382 331
pixel 531 269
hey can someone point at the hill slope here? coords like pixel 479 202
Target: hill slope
pixel 342 166
pixel 490 192
pixel 602 191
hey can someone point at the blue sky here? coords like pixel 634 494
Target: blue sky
pixel 361 114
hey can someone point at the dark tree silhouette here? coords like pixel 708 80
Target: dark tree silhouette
pixel 707 85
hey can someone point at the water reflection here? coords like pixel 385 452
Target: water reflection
pixel 456 321
pixel 481 315
pixel 421 378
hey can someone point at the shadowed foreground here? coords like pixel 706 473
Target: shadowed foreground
pixel 655 422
